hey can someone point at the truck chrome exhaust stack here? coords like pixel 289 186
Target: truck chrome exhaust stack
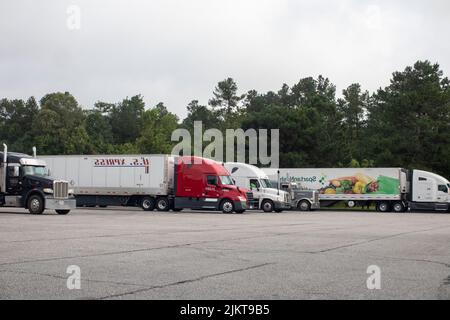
pixel 5 153
pixel 34 152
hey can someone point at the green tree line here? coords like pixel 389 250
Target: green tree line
pixel 405 124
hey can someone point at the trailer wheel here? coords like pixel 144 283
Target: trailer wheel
pixel 62 212
pixel 148 203
pixel 398 206
pixel 162 204
pixel 35 204
pixel 227 206
pixel 383 206
pixel 304 205
pixel 267 205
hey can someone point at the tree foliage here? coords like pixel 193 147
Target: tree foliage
pixel 405 124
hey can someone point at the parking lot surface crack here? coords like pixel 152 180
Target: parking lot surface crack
pixel 185 281
pixel 377 239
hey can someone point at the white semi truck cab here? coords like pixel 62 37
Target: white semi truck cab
pixel 265 196
pixel 427 191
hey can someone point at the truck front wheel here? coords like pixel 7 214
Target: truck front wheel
pixel 267 206
pixel 162 204
pixel 62 211
pixel 304 205
pixel 35 204
pixel 227 206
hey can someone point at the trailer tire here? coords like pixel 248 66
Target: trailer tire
pixel 383 206
pixel 35 204
pixel 62 212
pixel 227 206
pixel 162 204
pixel 304 205
pixel 398 206
pixel 267 205
pixel 147 203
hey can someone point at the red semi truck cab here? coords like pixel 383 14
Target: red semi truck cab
pixel 205 184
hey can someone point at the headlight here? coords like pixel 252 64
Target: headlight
pixel 48 190
pixel 242 199
pixel 70 191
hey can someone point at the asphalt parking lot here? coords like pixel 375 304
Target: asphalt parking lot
pixel 132 254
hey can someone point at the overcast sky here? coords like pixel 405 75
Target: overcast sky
pixel 176 51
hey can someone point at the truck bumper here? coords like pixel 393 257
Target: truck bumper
pixel 278 205
pixel 315 205
pixel 253 204
pixel 240 205
pixel 60 204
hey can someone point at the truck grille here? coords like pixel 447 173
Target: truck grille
pixel 61 189
pixel 316 197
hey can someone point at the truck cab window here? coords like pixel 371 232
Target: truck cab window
pixel 34 170
pixel 12 171
pixel 226 180
pixel 212 180
pixel 266 183
pixel 254 184
pixel 443 188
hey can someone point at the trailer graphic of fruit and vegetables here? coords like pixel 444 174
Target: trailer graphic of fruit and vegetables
pixel 345 183
pixel 361 183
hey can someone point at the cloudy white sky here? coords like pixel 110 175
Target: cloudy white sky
pixel 177 50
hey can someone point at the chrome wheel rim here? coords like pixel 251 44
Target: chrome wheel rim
pixel 35 204
pixel 267 206
pixel 162 204
pixel 227 207
pixel 146 204
pixel 304 206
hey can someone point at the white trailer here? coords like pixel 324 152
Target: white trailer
pixel 116 179
pixel 389 188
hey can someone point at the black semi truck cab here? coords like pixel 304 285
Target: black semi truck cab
pixel 25 182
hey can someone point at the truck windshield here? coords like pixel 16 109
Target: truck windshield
pixel 35 171
pixel 226 180
pixel 266 183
